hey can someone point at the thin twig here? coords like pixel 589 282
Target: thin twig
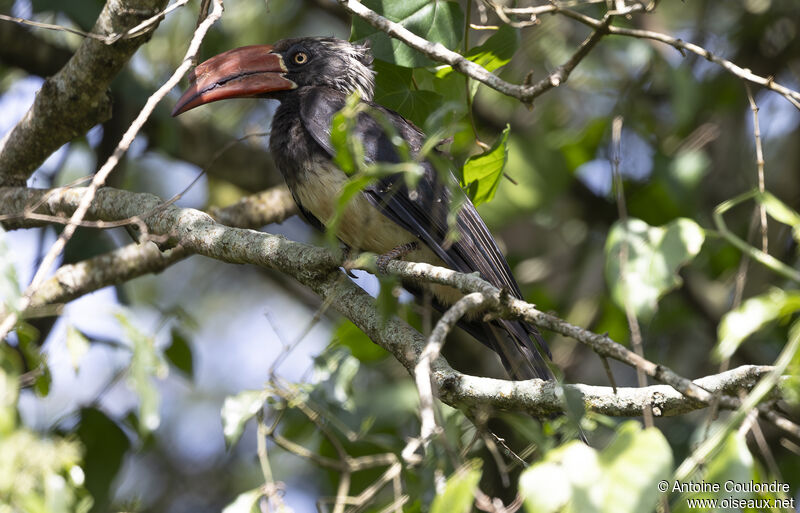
pixel 630 314
pixel 101 175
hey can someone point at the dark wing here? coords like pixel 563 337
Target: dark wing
pixel 424 211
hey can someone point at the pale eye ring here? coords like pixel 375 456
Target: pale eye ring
pixel 300 58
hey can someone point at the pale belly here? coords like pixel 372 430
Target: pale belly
pixel 362 226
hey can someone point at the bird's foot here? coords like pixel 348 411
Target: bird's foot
pixel 399 252
pixel 347 255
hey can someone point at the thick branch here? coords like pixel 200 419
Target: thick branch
pixel 126 263
pixel 318 269
pixel 75 98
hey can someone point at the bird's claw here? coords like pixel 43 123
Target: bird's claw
pixel 382 261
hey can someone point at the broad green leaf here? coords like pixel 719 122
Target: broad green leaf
pixel 779 211
pixel 689 167
pixel 437 21
pixel 733 462
pixel 482 173
pixel 654 256
pixel 246 502
pixel 77 346
pixel 459 491
pixel 751 316
pixel 105 445
pixel 359 344
pixel 335 370
pixel 496 51
pixel 395 89
pixel 237 410
pixel 632 465
pixel 147 363
pixel 621 478
pixel 179 353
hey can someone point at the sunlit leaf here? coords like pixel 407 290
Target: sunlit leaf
pixel 751 316
pixel 147 364
pixel 335 370
pixel 653 256
pixel 245 503
pixel 438 22
pixel 9 391
pixel 459 491
pixel 621 478
pixel 77 346
pixel 237 410
pixel 496 51
pixel 779 211
pixel 732 463
pixel 482 173
pixel 9 282
pixel 689 167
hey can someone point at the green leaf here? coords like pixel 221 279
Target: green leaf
pixel 689 167
pixel 344 158
pixel 246 502
pixel 733 463
pixel 105 445
pixel 146 364
pixel 779 211
pixel 632 465
pixel 496 51
pixel 459 491
pixel 9 282
pixel 751 316
pixel 237 410
pixel 394 89
pixel 436 21
pixel 482 173
pixel 179 353
pixel 360 345
pixel 77 346
pixel 621 478
pixel 654 255
pixel 9 392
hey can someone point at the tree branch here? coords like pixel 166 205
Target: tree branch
pixel 75 98
pixel 196 141
pixel 319 269
pixel 134 260
pixel 440 53
pixel 527 93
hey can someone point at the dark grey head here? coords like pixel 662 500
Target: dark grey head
pixel 330 62
pixel 273 70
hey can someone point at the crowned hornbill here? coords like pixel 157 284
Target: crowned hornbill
pixel 312 78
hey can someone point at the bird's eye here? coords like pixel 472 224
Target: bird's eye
pixel 300 58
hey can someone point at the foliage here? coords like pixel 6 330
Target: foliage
pixel 92 418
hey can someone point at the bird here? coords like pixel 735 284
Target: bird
pixel 312 78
